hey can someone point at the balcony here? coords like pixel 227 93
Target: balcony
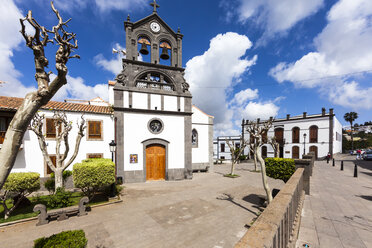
pixel 142 84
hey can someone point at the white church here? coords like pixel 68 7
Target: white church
pixel 159 134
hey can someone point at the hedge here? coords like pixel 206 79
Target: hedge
pixel 280 168
pixel 22 182
pixel 16 187
pixel 92 175
pixel 71 239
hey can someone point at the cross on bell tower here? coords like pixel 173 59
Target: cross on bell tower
pixel 155 5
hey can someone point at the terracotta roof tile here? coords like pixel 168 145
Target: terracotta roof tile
pixel 12 104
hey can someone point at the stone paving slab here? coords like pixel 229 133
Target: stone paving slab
pixel 208 211
pixel 338 212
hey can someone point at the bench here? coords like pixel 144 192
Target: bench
pixel 60 214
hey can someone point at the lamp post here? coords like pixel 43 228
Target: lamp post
pixel 304 143
pixel 112 145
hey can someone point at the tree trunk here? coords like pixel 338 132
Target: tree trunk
pixel 58 178
pixel 255 162
pixel 232 167
pixel 352 139
pixel 264 177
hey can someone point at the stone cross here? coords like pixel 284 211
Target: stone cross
pixel 155 5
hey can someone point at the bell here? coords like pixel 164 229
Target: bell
pixel 143 49
pixel 164 54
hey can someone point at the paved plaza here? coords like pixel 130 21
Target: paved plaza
pixel 338 211
pixel 208 211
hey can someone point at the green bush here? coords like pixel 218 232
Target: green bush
pixel 71 239
pixel 242 157
pixel 17 187
pixel 50 183
pixel 60 199
pixel 92 175
pixel 280 168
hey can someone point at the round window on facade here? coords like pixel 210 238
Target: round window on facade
pixel 155 126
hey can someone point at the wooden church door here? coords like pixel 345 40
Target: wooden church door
pixel 155 162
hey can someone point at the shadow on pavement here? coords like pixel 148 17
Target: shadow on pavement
pixel 365 197
pixel 230 198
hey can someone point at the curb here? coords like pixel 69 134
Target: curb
pixel 10 223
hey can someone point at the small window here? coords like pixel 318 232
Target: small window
pixel 223 147
pixel 95 155
pixel 222 157
pixel 94 130
pixel 194 138
pixel 54 161
pixel 4 123
pixel 313 134
pixel 237 146
pixel 50 128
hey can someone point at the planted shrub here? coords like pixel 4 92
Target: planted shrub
pixel 92 175
pixel 50 183
pixel 60 199
pixel 17 187
pixel 280 168
pixel 71 239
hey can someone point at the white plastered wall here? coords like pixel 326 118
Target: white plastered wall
pixel 30 158
pixel 136 131
pixel 200 120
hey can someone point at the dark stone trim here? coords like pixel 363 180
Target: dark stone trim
pixel 157 119
pixel 159 66
pixel 130 95
pixel 200 166
pixel 119 87
pixel 151 111
pixel 155 141
pixel 120 143
pixel 162 102
pixel 188 149
pixel 148 101
pixel 331 123
pixel 203 123
pixel 178 103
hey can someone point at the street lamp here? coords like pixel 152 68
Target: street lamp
pixel 304 144
pixel 112 145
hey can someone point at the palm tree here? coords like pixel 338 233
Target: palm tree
pixel 350 117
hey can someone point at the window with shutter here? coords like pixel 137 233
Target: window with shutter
pixel 313 134
pixel 222 147
pixel 54 160
pixel 295 135
pixel 50 128
pixel 279 135
pixel 264 137
pixel 95 130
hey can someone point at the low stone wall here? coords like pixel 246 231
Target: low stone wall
pixel 278 225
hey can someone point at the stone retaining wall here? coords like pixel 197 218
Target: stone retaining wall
pixel 278 224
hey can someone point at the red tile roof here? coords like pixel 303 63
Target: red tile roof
pixel 12 104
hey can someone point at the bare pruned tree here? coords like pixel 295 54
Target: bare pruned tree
pixel 63 128
pixel 34 100
pixel 235 152
pixel 275 145
pixel 252 149
pixel 257 130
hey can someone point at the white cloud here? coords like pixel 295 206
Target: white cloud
pixel 101 5
pixel 9 41
pixel 342 48
pixel 263 110
pixel 276 16
pixel 114 65
pixel 245 95
pixel 77 89
pixel 212 74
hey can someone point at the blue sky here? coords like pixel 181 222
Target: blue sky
pixel 243 58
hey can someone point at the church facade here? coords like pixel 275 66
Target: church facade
pixel 153 105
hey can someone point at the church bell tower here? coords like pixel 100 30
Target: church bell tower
pixel 152 104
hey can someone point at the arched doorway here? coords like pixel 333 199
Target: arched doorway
pixel 315 150
pixel 155 162
pixel 295 152
pixel 264 151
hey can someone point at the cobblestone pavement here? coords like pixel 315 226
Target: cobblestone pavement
pixel 208 211
pixel 338 211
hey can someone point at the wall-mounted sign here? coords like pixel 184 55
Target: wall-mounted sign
pixel 133 158
pixel 287 151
